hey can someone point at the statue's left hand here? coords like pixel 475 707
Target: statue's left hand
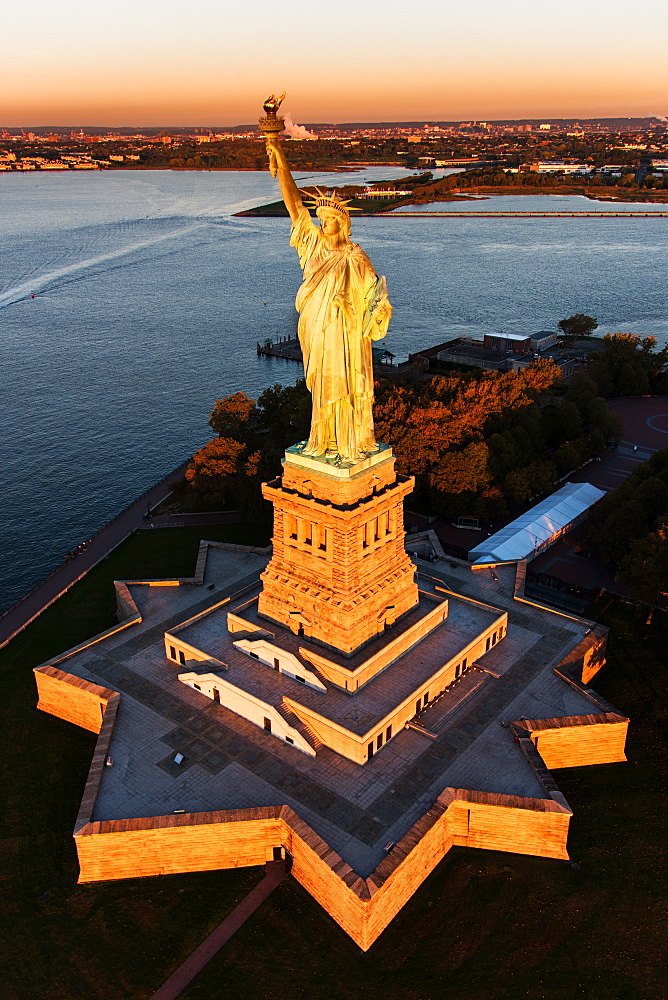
pixel 380 319
pixel 383 311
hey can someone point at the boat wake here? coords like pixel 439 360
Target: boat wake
pixel 55 277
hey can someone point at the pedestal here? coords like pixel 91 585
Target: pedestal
pixel 339 571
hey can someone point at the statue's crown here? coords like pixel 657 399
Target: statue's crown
pixel 329 199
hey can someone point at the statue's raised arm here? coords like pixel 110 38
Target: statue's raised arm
pixel 278 165
pixel 343 305
pixel 272 126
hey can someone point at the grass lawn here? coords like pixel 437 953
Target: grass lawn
pixel 485 925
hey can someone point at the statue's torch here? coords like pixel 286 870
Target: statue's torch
pixel 272 125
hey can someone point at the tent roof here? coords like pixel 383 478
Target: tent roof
pixel 529 532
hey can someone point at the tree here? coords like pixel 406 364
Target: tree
pixel 567 457
pixel 627 365
pixel 473 440
pixel 503 455
pixel 645 568
pixel 630 513
pixel 517 486
pixel 561 423
pixel 285 412
pixel 462 471
pixel 491 504
pixel 214 469
pixel 541 475
pixel 231 415
pixel 579 325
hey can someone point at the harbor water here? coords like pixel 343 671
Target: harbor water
pixel 131 300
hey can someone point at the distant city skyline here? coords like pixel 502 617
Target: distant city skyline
pixel 144 63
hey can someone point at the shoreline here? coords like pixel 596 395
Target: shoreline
pixel 52 586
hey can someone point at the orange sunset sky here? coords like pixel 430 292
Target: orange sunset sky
pixel 203 63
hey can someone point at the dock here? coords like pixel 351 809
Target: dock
pixel 281 347
pixel 290 348
pixel 522 215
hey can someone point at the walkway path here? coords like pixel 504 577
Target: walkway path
pixel 107 538
pixel 645 428
pixel 182 520
pixel 275 872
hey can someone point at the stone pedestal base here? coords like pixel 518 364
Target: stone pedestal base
pixel 339 572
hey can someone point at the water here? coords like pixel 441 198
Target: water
pixel 150 297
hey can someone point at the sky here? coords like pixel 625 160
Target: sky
pixel 211 62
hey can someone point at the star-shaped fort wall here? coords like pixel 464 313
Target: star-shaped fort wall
pixel 195 768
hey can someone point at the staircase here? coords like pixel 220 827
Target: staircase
pixel 293 720
pixel 419 728
pixel 520 578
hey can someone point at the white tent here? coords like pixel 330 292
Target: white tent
pixel 534 531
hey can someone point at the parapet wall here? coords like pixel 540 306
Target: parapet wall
pixel 71 698
pixel 577 741
pixel 166 845
pixel 363 907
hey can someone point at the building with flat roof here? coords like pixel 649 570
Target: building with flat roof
pixel 543 340
pixel 507 343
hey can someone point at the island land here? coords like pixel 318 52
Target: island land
pixel 594 923
pixel 99 938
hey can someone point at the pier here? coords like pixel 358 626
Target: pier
pixel 282 347
pixel 522 215
pixel 290 348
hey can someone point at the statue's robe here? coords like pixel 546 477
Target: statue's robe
pixel 336 303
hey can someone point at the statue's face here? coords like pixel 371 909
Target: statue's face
pixel 330 223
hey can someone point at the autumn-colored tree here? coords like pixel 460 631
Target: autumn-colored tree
pixel 425 420
pixel 231 415
pixel 227 471
pixel 479 441
pixel 215 467
pixel 464 471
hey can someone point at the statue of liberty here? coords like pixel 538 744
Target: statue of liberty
pixel 342 305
